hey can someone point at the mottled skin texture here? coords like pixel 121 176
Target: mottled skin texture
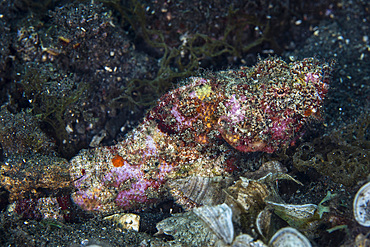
pixel 199 129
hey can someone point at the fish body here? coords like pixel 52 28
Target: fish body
pixel 200 129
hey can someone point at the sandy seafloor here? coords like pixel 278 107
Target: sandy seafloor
pixel 341 33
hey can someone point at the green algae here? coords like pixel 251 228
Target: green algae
pixel 49 94
pixel 198 46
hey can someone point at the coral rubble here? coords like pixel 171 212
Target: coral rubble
pixel 199 129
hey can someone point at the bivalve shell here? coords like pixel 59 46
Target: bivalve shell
pixel 199 191
pixel 219 219
pixel 296 215
pixel 249 193
pixel 361 205
pixel 289 236
pixel 266 168
pixel 263 222
pixel 244 240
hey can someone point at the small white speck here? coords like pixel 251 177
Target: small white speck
pixel 69 129
pixel 108 69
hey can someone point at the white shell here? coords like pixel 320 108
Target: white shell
pixel 199 190
pixel 304 211
pixel 361 205
pixel 126 221
pixel 289 237
pixel 263 222
pixel 219 219
pixel 245 240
